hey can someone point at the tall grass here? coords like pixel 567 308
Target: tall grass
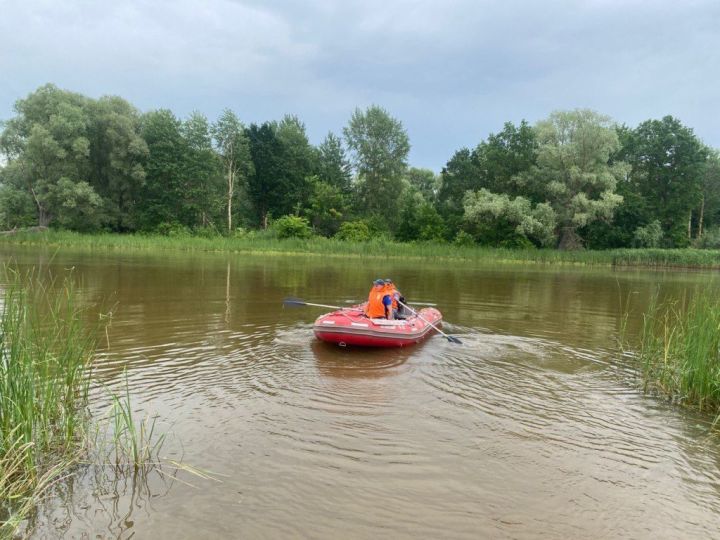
pixel 266 243
pixel 45 353
pixel 680 350
pixel 134 443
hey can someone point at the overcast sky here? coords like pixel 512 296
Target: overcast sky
pixel 451 71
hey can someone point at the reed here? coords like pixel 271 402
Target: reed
pixel 45 354
pixel 133 442
pixel 680 350
pixel 262 242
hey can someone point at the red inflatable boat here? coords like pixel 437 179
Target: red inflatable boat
pixel 351 327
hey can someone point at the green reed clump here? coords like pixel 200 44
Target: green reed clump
pixel 133 442
pixel 263 242
pixel 45 353
pixel 680 350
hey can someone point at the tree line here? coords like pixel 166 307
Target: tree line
pixel 575 179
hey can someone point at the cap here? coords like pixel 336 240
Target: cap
pixel 378 282
pixel 389 281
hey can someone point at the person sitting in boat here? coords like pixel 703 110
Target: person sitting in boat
pixel 379 304
pixel 397 299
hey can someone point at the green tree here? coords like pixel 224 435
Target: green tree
pixel 419 220
pixel 380 147
pixel 204 170
pixel 460 175
pixel 333 166
pixel 709 211
pixel 502 221
pixel 327 206
pixel 164 197
pixel 46 141
pixel 574 173
pixel 117 159
pixel 267 185
pixel 504 158
pixel 233 147
pixel 298 161
pixel 667 162
pixel 424 181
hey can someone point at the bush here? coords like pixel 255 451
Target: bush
pixel 172 229
pixel 354 231
pixel 464 239
pixel 648 236
pixel 206 232
pixel 292 227
pixel 709 240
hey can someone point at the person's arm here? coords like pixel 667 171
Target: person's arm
pixel 387 302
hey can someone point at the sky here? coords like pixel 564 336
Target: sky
pixel 452 71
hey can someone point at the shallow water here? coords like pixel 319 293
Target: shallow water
pixel 534 427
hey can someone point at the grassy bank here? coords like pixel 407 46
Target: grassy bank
pixel 680 351
pixel 45 352
pixel 259 243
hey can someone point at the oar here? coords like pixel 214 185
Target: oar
pixel 451 339
pixel 298 302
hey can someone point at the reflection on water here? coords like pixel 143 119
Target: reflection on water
pixel 532 427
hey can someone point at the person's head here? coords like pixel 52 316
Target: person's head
pixel 389 282
pixel 378 283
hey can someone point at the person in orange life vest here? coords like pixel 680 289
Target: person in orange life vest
pixel 395 295
pixel 379 304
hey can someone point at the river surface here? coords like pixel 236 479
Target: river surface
pixel 534 427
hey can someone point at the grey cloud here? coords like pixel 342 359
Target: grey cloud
pixel 452 71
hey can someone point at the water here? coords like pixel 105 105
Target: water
pixel 534 427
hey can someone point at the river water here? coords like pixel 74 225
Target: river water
pixel 534 427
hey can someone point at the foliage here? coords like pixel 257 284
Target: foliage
pixel 501 221
pixel 423 181
pixel 292 227
pixel 379 146
pixel 268 185
pixel 73 162
pixel 667 161
pixel 233 147
pixel 16 208
pixel 649 236
pixel 573 172
pixel 464 239
pixel 419 220
pixel 334 168
pixel 327 206
pixel 354 231
pixel 709 240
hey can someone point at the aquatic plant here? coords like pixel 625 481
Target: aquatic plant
pixel 45 354
pixel 680 350
pixel 267 242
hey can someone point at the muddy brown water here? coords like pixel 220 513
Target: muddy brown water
pixel 534 427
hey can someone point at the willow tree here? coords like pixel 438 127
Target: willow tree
pixel 574 173
pixel 233 147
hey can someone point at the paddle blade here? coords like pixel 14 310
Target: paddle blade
pixel 294 302
pixel 453 339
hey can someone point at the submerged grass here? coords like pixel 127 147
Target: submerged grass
pixel 266 244
pixel 45 353
pixel 680 350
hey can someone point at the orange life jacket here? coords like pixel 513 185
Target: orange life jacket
pixel 375 309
